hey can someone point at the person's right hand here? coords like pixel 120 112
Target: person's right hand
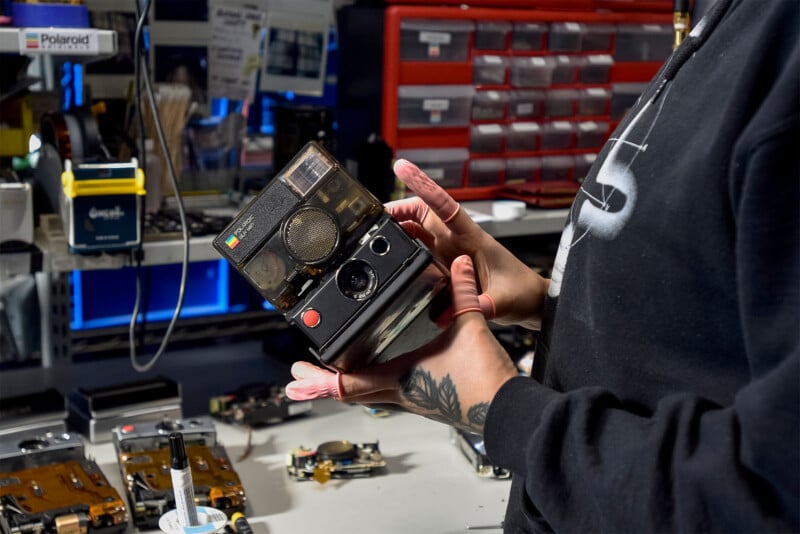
pixel 511 293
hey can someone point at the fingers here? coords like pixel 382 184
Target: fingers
pixel 434 196
pixel 464 287
pixel 408 209
pixel 312 382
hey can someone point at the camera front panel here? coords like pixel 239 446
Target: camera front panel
pixel 321 248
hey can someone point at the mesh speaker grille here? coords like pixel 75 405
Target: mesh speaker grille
pixel 311 234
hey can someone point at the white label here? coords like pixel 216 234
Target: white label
pixel 525 127
pixel 596 92
pixel 494 60
pixel 587 126
pixel 490 129
pixel 434 37
pixel 57 41
pixel 572 26
pixel 562 125
pixel 435 104
pixel 538 61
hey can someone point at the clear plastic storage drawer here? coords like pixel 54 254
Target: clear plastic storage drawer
pixel 435 40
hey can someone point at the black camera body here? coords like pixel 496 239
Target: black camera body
pixel 320 248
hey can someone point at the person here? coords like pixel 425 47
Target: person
pixel 665 394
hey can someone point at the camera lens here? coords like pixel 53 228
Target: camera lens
pixel 356 279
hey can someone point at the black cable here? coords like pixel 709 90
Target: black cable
pixel 181 211
pixel 142 151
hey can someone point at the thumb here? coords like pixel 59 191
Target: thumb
pixel 464 287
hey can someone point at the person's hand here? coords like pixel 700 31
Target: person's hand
pixel 453 379
pixel 511 293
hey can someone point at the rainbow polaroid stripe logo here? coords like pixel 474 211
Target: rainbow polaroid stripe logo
pixel 232 241
pixel 31 40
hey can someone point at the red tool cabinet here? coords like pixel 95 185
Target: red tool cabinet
pixel 486 99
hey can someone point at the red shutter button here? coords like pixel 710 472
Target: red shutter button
pixel 127 429
pixel 311 318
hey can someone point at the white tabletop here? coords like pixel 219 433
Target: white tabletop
pixel 427 487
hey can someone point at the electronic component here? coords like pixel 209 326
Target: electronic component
pixel 472 447
pixel 94 412
pixel 256 404
pixel 321 249
pixel 335 459
pixel 144 457
pixel 47 485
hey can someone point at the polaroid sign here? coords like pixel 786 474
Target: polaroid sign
pixel 58 41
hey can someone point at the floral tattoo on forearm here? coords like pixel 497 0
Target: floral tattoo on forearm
pixel 441 400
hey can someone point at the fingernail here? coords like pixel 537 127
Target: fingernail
pixel 399 163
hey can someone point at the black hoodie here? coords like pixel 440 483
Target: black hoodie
pixel 666 395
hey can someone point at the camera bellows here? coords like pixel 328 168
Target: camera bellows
pixel 311 234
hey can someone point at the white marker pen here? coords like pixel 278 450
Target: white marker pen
pixel 182 482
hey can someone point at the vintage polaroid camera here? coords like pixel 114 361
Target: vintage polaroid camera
pixel 320 247
pixel 143 452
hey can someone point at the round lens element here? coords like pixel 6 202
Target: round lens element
pixel 357 279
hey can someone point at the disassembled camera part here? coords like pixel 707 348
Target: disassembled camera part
pixel 472 446
pixel 320 248
pixel 39 413
pixel 144 458
pixel 256 405
pixel 335 459
pixel 96 411
pixel 47 485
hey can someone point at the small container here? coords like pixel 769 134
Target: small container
pixel 489 70
pixel 445 166
pixel 490 105
pixel 583 162
pixel 523 170
pixel 594 101
pixel 526 103
pixel 557 168
pixel 523 136
pixel 485 172
pixel 486 138
pixel 560 102
pixel 435 40
pixel 532 71
pixel 558 135
pixel 590 134
pixel 528 36
pixel 434 105
pixel 643 42
pixel 565 36
pixel 567 69
pixel 624 97
pixel 598 37
pixel 492 35
pixel 597 69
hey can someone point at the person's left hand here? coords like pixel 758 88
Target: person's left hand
pixel 453 379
